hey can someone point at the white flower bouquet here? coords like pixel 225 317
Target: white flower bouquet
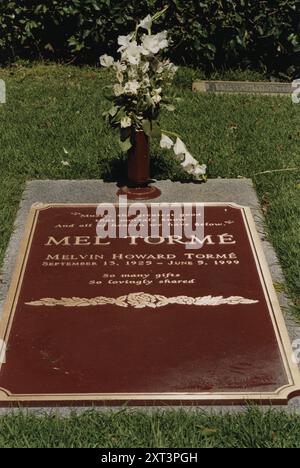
pixel 142 76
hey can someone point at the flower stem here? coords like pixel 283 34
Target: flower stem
pixel 170 133
pixel 160 13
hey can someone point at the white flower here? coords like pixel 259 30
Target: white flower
pixel 146 67
pixel 166 142
pixel 160 67
pixel 162 39
pixel 156 98
pixel 146 23
pixel 124 41
pixel 189 163
pixel 189 160
pixel 131 87
pixel 106 61
pixel 172 68
pixel 120 76
pixel 132 53
pixel 179 148
pixel 191 166
pixel 152 44
pixel 120 67
pixel 156 95
pixel 200 169
pixel 118 89
pixel 126 122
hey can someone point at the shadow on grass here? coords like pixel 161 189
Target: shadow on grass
pixel 114 169
pixel 161 168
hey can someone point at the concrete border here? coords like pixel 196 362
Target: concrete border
pixel 244 87
pixel 240 191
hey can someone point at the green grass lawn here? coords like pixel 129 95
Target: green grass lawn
pixel 158 430
pixel 53 114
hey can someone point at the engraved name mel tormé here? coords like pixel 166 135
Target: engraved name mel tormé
pixel 220 239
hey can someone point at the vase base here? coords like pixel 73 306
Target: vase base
pixel 139 193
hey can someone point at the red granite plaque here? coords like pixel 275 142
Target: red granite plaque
pixel 143 320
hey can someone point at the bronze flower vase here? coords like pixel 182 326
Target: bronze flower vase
pixel 138 173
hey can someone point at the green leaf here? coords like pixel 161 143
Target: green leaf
pixel 169 107
pixel 113 110
pixel 147 127
pixel 118 116
pixel 125 145
pixel 152 128
pixel 155 130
